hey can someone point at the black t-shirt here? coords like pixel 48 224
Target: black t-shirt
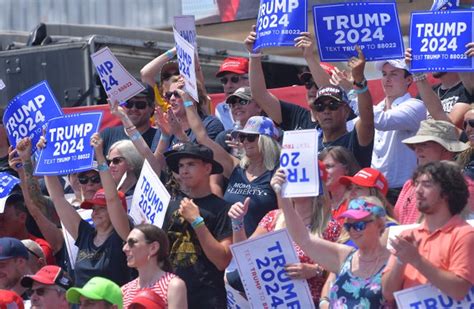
pixel 114 134
pixel 107 260
pixel 449 97
pixel 363 154
pixel 295 117
pixel 262 196
pixel 204 282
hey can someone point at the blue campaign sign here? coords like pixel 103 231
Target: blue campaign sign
pixel 68 148
pixel 279 22
pixel 438 41
pixel 7 182
pixel 28 113
pixel 374 26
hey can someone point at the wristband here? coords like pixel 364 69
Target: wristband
pixel 169 54
pixel 351 94
pixel 197 222
pixel 130 128
pixel 323 301
pixel 102 167
pixel 255 55
pixel 360 91
pixel 165 137
pixel 135 136
pixel 188 103
pixel 419 77
pixel 237 225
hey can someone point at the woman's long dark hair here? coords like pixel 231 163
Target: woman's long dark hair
pixel 153 233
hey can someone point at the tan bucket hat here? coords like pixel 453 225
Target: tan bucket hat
pixel 439 131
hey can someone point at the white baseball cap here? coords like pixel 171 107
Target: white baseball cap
pixel 397 63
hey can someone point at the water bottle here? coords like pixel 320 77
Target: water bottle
pixel 237 152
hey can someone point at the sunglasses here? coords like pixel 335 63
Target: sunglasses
pixel 131 242
pixel 116 160
pixel 309 84
pixel 39 291
pixel 357 226
pixel 83 180
pixel 137 104
pixel 234 79
pixel 249 137
pixel 239 101
pixel 320 107
pixel 470 122
pixel 169 94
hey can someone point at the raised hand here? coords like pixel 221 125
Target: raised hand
pixel 238 210
pixel 250 39
pixel 278 179
pixel 23 148
pixel 357 64
pixel 306 42
pixel 341 78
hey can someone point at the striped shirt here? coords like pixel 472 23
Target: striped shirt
pixel 131 289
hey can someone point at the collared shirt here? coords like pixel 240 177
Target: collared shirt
pixel 222 112
pixel 450 248
pixel 390 156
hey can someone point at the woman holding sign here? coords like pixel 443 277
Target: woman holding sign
pixel 100 245
pixel 359 271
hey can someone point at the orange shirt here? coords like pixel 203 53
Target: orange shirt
pixel 450 248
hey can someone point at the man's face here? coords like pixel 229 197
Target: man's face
pixel 139 111
pixel 231 82
pixel 333 116
pixel 394 82
pixel 48 296
pixel 428 194
pixel 242 109
pixel 85 303
pixel 10 272
pixel 311 90
pixel 429 152
pixel 11 222
pixel 193 171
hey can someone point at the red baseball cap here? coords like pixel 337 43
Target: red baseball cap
pixel 148 299
pixel 367 177
pixel 49 275
pixel 99 199
pixel 234 65
pixel 9 298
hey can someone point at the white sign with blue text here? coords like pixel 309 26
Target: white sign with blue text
pixel 438 41
pixel 261 263
pixel 427 296
pixel 374 26
pixel 186 27
pixel 279 22
pixel 68 148
pixel 27 114
pixel 7 183
pixel 118 83
pixel 234 299
pixel 299 158
pixel 150 199
pixel 187 63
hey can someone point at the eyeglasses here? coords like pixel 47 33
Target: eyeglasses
pixel 83 180
pixel 357 226
pixel 137 104
pixel 470 122
pixel 169 94
pixel 234 79
pixel 309 84
pixel 40 291
pixel 320 107
pixel 249 137
pixel 116 160
pixel 239 101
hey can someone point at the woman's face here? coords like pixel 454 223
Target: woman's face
pixel 363 232
pixel 118 165
pixel 335 171
pixel 469 129
pixel 250 143
pixel 100 216
pixel 356 191
pixel 137 250
pixel 176 101
pixel 89 183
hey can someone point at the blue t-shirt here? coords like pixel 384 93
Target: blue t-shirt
pixel 262 196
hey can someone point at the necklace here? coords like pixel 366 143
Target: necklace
pixel 373 269
pixel 445 91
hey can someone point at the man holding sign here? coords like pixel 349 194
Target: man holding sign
pixel 441 250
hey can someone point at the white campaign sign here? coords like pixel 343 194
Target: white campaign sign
pixel 186 27
pixel 186 61
pixel 427 296
pixel 299 158
pixel 118 83
pixel 261 263
pixel 234 299
pixel 150 199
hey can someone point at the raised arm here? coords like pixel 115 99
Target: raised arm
pixel 306 43
pixel 365 124
pixel 327 254
pixel 267 101
pixel 217 252
pixel 118 215
pixel 467 78
pixel 153 68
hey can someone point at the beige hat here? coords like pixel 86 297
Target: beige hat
pixel 439 131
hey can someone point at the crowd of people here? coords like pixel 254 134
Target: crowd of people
pixel 402 160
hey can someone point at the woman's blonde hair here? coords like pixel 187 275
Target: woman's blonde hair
pixel 270 150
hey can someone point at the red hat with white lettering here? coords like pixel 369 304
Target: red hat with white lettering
pixel 99 199
pixel 369 178
pixel 235 65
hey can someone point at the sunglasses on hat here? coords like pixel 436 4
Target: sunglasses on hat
pixel 234 79
pixel 92 179
pixel 357 226
pixel 169 94
pixel 137 104
pixel 320 107
pixel 470 122
pixel 239 101
pixel 249 137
